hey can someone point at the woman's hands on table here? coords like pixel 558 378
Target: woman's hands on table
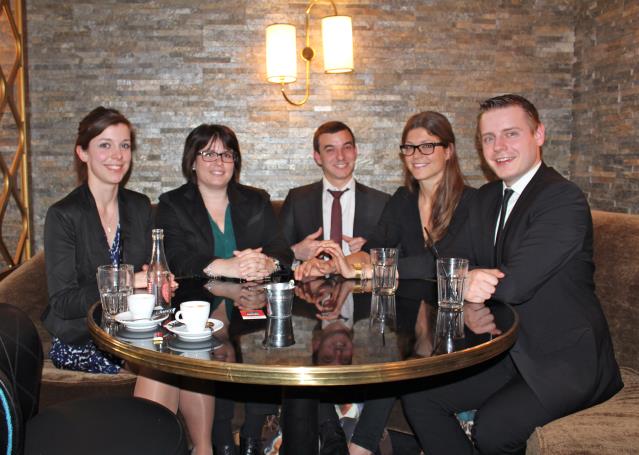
pixel 249 264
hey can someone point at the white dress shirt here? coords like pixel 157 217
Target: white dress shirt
pixel 347 201
pixel 518 188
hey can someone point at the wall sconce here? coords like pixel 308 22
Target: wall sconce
pixel 281 50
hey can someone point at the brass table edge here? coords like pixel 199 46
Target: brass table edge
pixel 305 376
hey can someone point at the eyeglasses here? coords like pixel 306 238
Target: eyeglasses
pixel 209 156
pixel 427 148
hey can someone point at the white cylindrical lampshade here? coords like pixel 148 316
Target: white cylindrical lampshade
pixel 281 53
pixel 337 39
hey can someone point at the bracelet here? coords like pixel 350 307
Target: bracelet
pixel 358 270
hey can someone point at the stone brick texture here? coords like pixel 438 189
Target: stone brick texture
pixel 605 148
pixel 170 65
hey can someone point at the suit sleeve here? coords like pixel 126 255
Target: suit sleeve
pixel 273 241
pixel 287 220
pixel 557 228
pixel 67 299
pixel 184 255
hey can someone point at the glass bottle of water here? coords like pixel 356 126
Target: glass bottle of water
pixel 158 276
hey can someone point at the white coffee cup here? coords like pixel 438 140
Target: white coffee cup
pixel 141 305
pixel 194 314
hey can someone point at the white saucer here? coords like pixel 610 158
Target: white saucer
pixel 213 325
pixel 139 325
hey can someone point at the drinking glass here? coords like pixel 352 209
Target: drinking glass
pixel 451 277
pixel 115 283
pixel 384 262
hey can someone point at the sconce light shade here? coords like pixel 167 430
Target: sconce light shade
pixel 281 54
pixel 337 39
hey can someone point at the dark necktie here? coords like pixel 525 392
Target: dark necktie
pixel 336 217
pixel 502 219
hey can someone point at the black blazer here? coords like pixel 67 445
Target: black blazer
pixel 301 213
pixel 188 240
pixel 75 245
pixel 400 226
pixel 563 350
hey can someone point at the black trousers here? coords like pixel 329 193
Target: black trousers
pixel 507 410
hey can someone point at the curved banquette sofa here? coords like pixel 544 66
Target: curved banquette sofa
pixel 609 428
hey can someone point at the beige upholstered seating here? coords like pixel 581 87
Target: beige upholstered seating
pixel 26 288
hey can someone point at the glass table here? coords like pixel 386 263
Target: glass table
pixel 339 335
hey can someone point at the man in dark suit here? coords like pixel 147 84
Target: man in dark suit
pixel 307 213
pixel 529 239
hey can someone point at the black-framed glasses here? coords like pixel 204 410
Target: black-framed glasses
pixel 427 148
pixel 209 156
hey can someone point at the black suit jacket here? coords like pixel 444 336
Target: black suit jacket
pixel 188 240
pixel 400 226
pixel 75 245
pixel 563 350
pixel 301 213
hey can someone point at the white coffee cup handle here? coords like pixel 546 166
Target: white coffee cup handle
pixel 178 316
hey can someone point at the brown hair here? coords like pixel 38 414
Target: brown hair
pixel 95 122
pixel 199 138
pixel 451 186
pixel 330 128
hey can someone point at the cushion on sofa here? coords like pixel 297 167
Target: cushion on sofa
pixel 611 427
pixel 616 249
pixel 26 288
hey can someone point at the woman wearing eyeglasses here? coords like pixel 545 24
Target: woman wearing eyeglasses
pixel 422 218
pixel 214 226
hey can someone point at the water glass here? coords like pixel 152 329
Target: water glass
pixel 384 263
pixel 451 276
pixel 115 284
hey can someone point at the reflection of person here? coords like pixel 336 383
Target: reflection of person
pixel 333 344
pixel 541 262
pixel 434 198
pixel 213 224
pixel 100 222
pixel 307 211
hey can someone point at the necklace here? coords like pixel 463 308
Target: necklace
pixel 111 222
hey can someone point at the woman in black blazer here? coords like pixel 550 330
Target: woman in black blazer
pixel 214 226
pixel 98 223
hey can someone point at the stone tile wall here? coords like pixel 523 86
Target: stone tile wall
pixel 170 65
pixel 605 149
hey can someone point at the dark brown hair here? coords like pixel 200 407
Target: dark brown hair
pixel 330 128
pixel 451 186
pixel 199 138
pixel 95 122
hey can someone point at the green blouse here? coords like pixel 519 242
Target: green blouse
pixel 224 241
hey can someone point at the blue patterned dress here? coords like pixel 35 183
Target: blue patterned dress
pixel 88 357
